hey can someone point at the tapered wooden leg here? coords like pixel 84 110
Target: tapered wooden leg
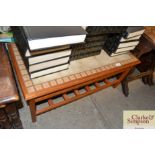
pixel 32 107
pixel 150 79
pixel 13 115
pixel 125 87
pixel 144 79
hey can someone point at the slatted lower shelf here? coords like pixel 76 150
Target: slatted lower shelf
pixel 97 86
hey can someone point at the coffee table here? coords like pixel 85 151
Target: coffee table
pixel 97 71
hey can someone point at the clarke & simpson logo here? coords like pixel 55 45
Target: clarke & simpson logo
pixel 139 119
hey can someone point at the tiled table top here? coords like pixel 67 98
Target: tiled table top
pixel 79 70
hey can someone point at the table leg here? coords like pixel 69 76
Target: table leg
pixel 144 79
pixel 148 79
pixel 32 107
pixel 151 80
pixel 13 115
pixel 4 120
pixel 125 87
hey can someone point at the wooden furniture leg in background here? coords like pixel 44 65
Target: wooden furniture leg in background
pixel 13 115
pixel 145 51
pixel 124 83
pixel 125 87
pixel 147 66
pixel 4 120
pixel 9 116
pixel 148 80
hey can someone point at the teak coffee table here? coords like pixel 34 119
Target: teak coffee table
pixel 82 74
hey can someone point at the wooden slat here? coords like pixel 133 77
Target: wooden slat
pixel 97 84
pixel 106 81
pixel 78 96
pixel 50 102
pixel 76 92
pixel 65 96
pixel 68 89
pixel 87 88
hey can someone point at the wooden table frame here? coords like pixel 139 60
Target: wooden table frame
pixel 72 86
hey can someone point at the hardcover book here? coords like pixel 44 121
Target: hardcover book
pixel 49 71
pixel 47 51
pixel 117 54
pixel 42 37
pixel 133 31
pixel 130 39
pixel 38 38
pixel 87 45
pixel 48 64
pixel 116 43
pixel 94 30
pixel 85 55
pixel 47 57
pixel 90 38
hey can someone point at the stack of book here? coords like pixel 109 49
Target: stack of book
pixel 95 40
pixel 122 43
pixel 93 45
pixel 46 49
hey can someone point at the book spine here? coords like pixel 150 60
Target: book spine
pixel 85 55
pixel 19 38
pixel 87 45
pixel 90 38
pixel 112 43
pixel 94 30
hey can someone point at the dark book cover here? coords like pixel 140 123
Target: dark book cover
pixel 94 30
pixel 42 32
pixel 87 45
pixel 22 44
pixel 85 55
pixel 20 38
pixel 87 50
pixel 42 37
pixel 90 38
pixel 114 41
